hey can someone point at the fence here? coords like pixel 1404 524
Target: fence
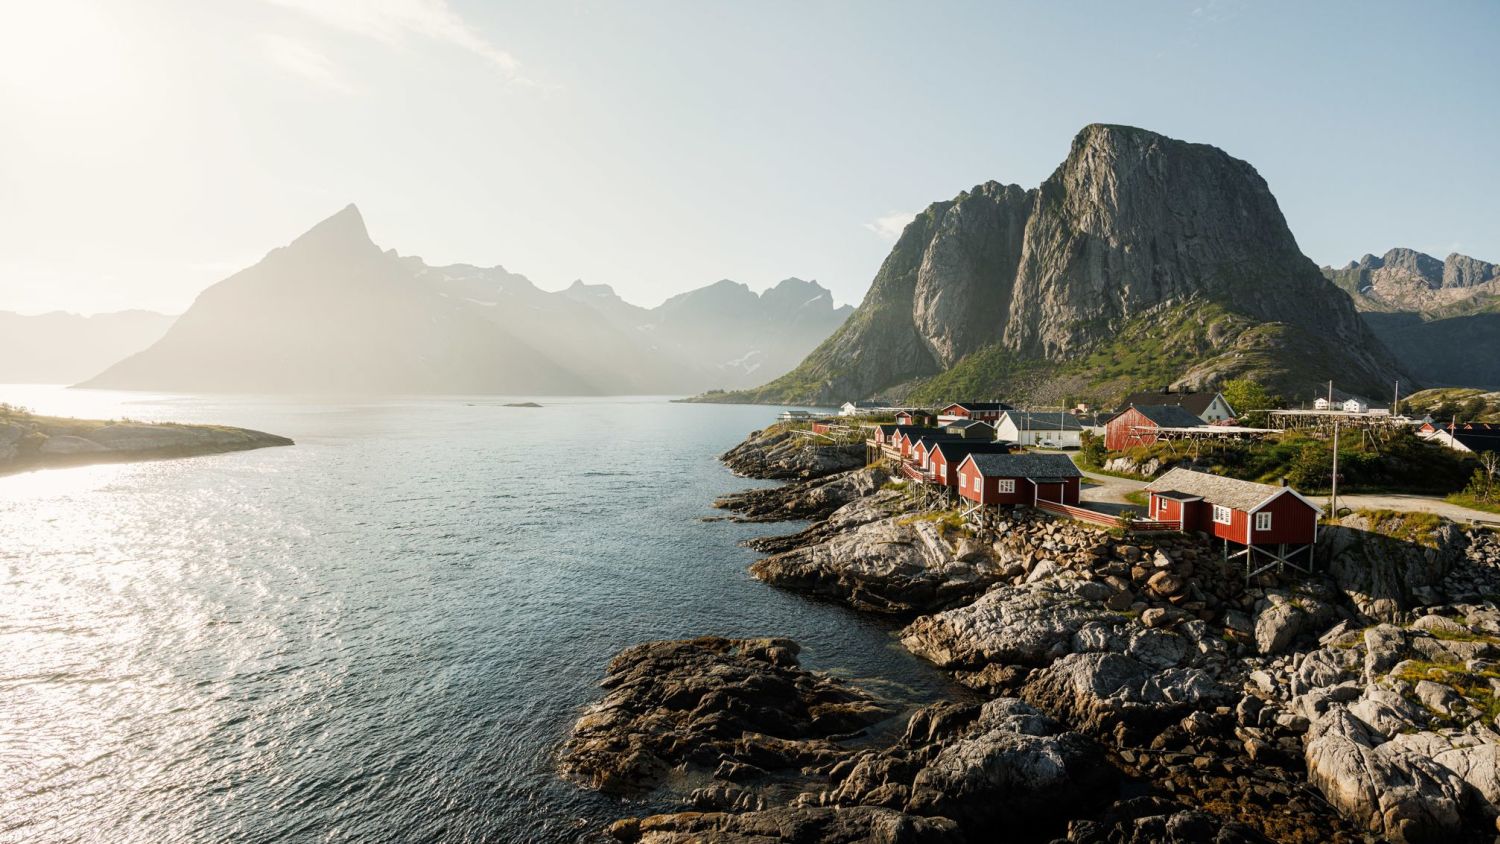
pixel 1102 519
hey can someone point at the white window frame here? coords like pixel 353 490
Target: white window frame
pixel 1263 520
pixel 1161 506
pixel 1223 515
pixel 978 483
pixel 1007 486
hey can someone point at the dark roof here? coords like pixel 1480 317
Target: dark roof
pixel 919 431
pixel 979 405
pixel 1026 465
pixel 956 450
pixel 887 429
pixel 1044 421
pixel 1169 416
pixel 1215 489
pixel 1195 402
pixel 1477 441
pixel 968 423
pixel 933 439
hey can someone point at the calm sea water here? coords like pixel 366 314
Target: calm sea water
pixel 380 634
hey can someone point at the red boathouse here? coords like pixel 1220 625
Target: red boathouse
pixel 1274 524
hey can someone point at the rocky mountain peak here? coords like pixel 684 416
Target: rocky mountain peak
pixel 1132 228
pixel 339 236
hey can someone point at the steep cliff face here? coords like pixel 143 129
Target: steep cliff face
pixel 1033 292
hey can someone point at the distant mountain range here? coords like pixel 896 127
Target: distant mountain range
pixel 63 348
pixel 332 312
pixel 1142 261
pixel 1440 318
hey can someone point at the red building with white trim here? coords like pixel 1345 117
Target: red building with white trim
pixel 1138 425
pixel 1275 522
pixel 1001 479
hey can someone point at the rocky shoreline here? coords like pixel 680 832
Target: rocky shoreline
pixel 1135 690
pixel 30 442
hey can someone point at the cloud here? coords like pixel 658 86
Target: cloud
pixel 395 21
pixel 298 58
pixel 890 226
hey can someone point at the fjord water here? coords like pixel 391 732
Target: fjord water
pixel 380 634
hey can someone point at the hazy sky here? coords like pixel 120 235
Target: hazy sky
pixel 148 149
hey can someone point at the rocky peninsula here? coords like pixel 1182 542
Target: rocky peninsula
pixel 28 441
pixel 1130 689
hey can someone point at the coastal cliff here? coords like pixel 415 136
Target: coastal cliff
pixel 1131 689
pixel 31 442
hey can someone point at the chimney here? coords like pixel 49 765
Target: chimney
pixel 1283 481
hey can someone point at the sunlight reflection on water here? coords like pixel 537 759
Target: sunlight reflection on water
pixel 379 634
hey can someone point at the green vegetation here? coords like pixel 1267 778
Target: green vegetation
pixel 1473 686
pixel 1391 460
pixel 1419 528
pixel 1446 403
pixel 1091 451
pixel 1249 398
pixel 949 522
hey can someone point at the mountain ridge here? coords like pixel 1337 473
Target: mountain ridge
pixel 1130 226
pixel 331 311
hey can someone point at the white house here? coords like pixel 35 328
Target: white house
pixel 861 408
pixel 1320 403
pixel 1356 406
pixel 1050 430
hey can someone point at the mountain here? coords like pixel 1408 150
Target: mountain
pixel 62 348
pixel 1440 318
pixel 332 312
pixel 1141 261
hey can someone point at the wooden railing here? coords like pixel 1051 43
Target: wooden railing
pixel 1095 517
pixel 914 473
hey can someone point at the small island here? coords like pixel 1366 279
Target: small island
pixel 29 441
pixel 522 404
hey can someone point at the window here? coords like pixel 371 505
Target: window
pixel 1262 521
pixel 1222 515
pixel 1161 505
pixel 978 483
pixel 1007 485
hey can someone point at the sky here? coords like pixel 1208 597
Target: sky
pixel 149 148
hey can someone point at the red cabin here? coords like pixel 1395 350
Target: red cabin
pixel 1139 425
pixel 1274 522
pixel 981 411
pixel 1018 478
pixel 945 456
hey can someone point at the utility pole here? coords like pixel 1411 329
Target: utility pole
pixel 1333 496
pixel 1330 394
pixel 1396 402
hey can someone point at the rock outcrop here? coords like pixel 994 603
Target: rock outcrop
pixel 38 442
pixel 781 453
pixel 733 708
pixel 815 498
pixel 1131 231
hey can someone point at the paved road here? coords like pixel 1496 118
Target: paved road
pixel 1417 503
pixel 1107 493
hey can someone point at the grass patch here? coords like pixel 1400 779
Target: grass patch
pixel 1473 686
pixel 1420 528
pixel 1466 500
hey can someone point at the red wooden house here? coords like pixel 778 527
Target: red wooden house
pixel 914 417
pixel 944 456
pixel 981 411
pixel 907 436
pixel 1139 425
pixel 1018 478
pixel 1274 523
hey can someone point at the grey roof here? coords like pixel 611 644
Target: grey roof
pixel 1026 465
pixel 956 450
pixel 979 405
pixel 1215 489
pixel 1044 421
pixel 931 440
pixel 1170 416
pixel 1194 402
pixel 968 423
